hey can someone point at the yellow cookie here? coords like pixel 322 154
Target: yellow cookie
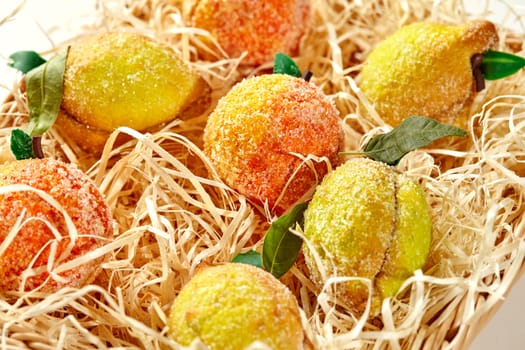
pixel 424 69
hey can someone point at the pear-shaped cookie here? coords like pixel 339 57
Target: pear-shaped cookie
pixel 424 69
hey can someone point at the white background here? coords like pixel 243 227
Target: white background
pixel 25 32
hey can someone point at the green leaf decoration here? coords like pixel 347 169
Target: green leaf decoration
pixel 281 247
pixel 21 145
pixel 283 64
pixel 414 132
pixel 251 257
pixel 25 61
pixel 44 86
pixel 497 65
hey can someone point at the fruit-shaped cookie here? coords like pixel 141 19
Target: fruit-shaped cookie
pixel 125 79
pixel 425 69
pixel 261 132
pixel 368 221
pixel 53 216
pixel 230 306
pixel 258 28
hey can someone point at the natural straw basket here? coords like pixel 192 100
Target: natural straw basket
pixel 174 214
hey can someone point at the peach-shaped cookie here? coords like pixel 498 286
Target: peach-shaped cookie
pixel 367 220
pixel 259 28
pixel 125 79
pixel 230 306
pixel 52 214
pixel 262 129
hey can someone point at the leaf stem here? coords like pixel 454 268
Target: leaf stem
pixel 36 142
pixel 307 75
pixel 476 61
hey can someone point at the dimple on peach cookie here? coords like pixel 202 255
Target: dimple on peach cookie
pixel 262 130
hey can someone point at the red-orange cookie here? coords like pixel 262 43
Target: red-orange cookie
pixel 37 238
pixel 260 28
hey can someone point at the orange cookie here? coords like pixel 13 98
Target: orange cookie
pixel 52 215
pixel 259 131
pixel 260 28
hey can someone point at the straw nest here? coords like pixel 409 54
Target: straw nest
pixel 174 215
